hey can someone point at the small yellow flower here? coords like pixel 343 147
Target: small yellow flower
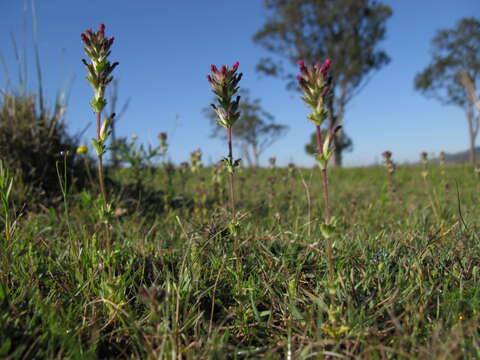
pixel 461 317
pixel 82 149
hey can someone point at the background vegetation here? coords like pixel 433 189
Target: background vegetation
pixel 155 268
pixel 177 283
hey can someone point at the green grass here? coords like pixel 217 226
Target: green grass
pixel 177 284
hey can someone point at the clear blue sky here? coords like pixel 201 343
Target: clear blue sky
pixel 165 50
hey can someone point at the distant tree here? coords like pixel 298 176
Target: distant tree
pixel 453 74
pixel 344 143
pixel 347 31
pixel 255 130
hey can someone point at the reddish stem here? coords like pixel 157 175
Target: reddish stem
pixel 327 205
pixel 231 177
pixel 100 164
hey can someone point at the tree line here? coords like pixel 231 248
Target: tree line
pixel 350 32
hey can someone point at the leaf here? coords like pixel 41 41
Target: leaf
pixel 5 348
pixel 326 144
pixel 327 230
pixel 97 146
pixel 321 160
pixel 3 293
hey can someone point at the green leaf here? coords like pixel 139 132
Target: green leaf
pixel 321 160
pixel 327 230
pixel 98 146
pixel 5 348
pixel 3 293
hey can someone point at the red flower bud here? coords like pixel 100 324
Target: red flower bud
pixel 102 28
pixel 387 154
pixel 84 37
pixel 326 66
pixel 214 68
pixel 303 68
pixel 224 69
pixel 110 41
pixel 235 66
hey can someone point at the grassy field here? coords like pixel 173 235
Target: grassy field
pixel 177 283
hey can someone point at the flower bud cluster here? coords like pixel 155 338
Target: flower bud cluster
pixel 162 137
pixel 272 161
pixel 97 48
pixel 389 164
pixel 315 83
pixel 195 160
pixel 424 161
pixel 442 159
pixel 224 82
pixel 424 157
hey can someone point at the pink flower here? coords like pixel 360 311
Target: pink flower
pixel 303 69
pixel 326 66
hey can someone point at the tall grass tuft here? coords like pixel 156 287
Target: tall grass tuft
pixel 29 142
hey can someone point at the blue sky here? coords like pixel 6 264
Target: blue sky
pixel 165 50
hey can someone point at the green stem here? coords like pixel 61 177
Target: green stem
pixel 100 164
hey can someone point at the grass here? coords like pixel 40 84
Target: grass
pixel 176 284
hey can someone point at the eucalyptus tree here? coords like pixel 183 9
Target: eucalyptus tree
pixel 346 31
pixel 454 71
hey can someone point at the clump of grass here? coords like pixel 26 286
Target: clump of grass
pixel 6 183
pixel 31 143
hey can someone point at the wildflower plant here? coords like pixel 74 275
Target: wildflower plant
pixel 224 82
pixel 162 137
pixel 139 157
pixel 315 84
pixel 442 162
pixel 389 165
pixel 99 69
pixel 424 161
pixel 196 160
pixel 272 162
